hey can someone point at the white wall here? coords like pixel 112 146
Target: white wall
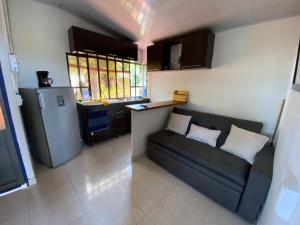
pixel 40 40
pixel 286 165
pixel 251 70
pixel 143 124
pixel 13 103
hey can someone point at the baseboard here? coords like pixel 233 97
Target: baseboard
pixel 23 186
pixel 296 87
pixel 138 156
pixel 32 181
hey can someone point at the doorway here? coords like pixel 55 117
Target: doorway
pixel 12 173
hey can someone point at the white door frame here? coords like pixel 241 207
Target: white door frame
pixel 13 98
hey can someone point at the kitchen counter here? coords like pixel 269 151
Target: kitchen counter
pixel 99 122
pixel 154 105
pixel 114 102
pixel 146 119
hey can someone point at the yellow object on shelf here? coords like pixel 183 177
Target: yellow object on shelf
pixel 105 102
pixel 95 102
pixel 180 95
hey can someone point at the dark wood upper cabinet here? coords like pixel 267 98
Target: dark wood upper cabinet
pixel 155 57
pixel 81 40
pixel 196 51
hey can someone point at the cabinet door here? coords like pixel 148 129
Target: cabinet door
pixel 155 57
pixel 10 170
pixel 84 40
pixel 119 124
pixel 194 50
pixel 60 121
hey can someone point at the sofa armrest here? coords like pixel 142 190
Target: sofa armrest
pixel 258 184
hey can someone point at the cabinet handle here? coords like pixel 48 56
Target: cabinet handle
pixel 41 101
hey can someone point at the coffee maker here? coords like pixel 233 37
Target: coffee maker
pixel 43 79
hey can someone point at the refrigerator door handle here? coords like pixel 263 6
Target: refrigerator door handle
pixel 41 101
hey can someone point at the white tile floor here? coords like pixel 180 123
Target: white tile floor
pixel 102 186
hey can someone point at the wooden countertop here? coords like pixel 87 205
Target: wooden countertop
pixel 111 104
pixel 154 105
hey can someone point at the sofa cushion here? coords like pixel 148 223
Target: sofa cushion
pixel 244 144
pixel 178 123
pixel 204 135
pixel 221 162
pixel 217 122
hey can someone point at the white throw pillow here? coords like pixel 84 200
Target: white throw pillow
pixel 204 135
pixel 244 144
pixel 178 123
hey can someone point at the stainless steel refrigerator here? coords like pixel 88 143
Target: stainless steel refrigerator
pixel 51 123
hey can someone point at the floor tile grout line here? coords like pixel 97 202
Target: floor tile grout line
pixel 78 198
pixel 135 203
pixel 143 211
pixel 158 202
pixel 28 209
pixel 148 218
pixel 128 194
pixel 151 220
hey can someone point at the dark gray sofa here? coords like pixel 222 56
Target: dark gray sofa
pixel 227 179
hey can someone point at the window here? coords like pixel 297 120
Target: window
pixel 105 77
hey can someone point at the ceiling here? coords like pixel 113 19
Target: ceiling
pixel 144 21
